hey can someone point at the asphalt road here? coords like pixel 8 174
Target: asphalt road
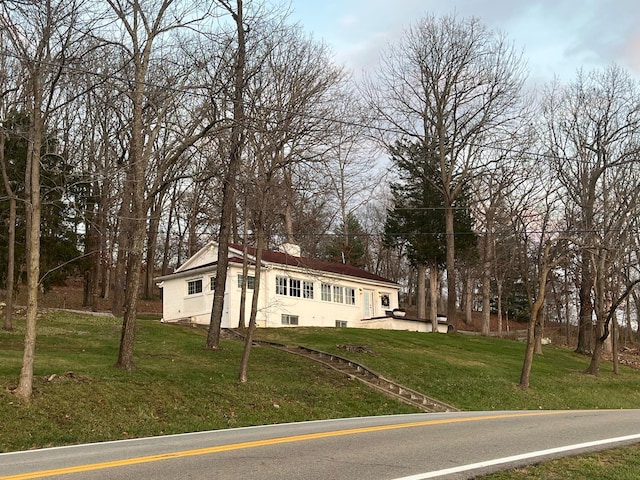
pixel 400 447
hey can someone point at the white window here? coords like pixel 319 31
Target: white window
pixel 338 294
pixel 326 292
pixel 251 281
pixel 307 290
pixel 289 319
pixel 212 283
pixel 194 287
pixel 350 295
pixel 294 287
pixel 281 286
pixel 341 323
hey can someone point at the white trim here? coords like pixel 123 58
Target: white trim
pixel 516 458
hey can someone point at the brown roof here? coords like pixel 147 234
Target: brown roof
pixel 312 263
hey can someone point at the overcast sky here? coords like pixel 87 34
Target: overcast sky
pixel 556 36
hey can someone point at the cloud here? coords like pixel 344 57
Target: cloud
pixel 348 21
pixel 557 37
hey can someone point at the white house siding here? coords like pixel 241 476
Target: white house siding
pixel 318 312
pixel 178 304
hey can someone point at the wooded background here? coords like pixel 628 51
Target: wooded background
pixel 135 131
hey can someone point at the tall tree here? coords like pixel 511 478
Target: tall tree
pixel 448 84
pixel 417 219
pixel 146 27
pixel 45 37
pixel 349 169
pixel 288 97
pixel 233 167
pixel 418 216
pixel 592 130
pixel 540 244
pixel 7 93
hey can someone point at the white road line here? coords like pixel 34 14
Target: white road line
pixel 515 458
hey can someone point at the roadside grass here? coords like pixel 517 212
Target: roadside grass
pixel 179 386
pixel 619 464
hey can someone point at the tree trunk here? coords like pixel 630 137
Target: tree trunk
pixel 152 241
pixel 135 227
pixel 421 294
pixel 124 245
pixel 486 293
pixel 451 266
pixel 585 316
pixel 468 301
pixel 136 249
pixel 245 277
pixel 11 247
pixel 33 210
pixel 228 197
pixel 192 237
pixel 167 238
pixel 614 345
pixel 532 333
pixel 596 357
pixel 627 337
pixel 433 296
pixel 499 302
pixel 533 328
pixel 244 363
pixel 92 249
pixel 539 331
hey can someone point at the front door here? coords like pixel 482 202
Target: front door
pixel 367 304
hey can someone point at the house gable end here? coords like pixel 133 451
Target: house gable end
pixel 205 256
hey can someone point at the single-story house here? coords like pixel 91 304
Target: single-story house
pixel 294 290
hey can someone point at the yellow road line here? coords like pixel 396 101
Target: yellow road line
pixel 259 443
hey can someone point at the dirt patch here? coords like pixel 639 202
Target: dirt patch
pixel 357 349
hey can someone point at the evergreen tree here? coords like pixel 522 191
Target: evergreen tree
pixel 58 237
pixel 346 245
pixel 417 219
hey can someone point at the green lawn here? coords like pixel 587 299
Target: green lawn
pixel 473 372
pixel 178 386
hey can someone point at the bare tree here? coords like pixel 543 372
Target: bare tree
pixel 8 314
pixel 7 93
pixel 145 27
pixel 45 38
pixel 539 231
pixel 233 167
pixel 616 273
pixel 592 133
pixel 349 165
pixel 490 191
pixel 289 97
pixel 448 84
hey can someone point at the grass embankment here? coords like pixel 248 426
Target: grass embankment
pixel 178 386
pixel 473 372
